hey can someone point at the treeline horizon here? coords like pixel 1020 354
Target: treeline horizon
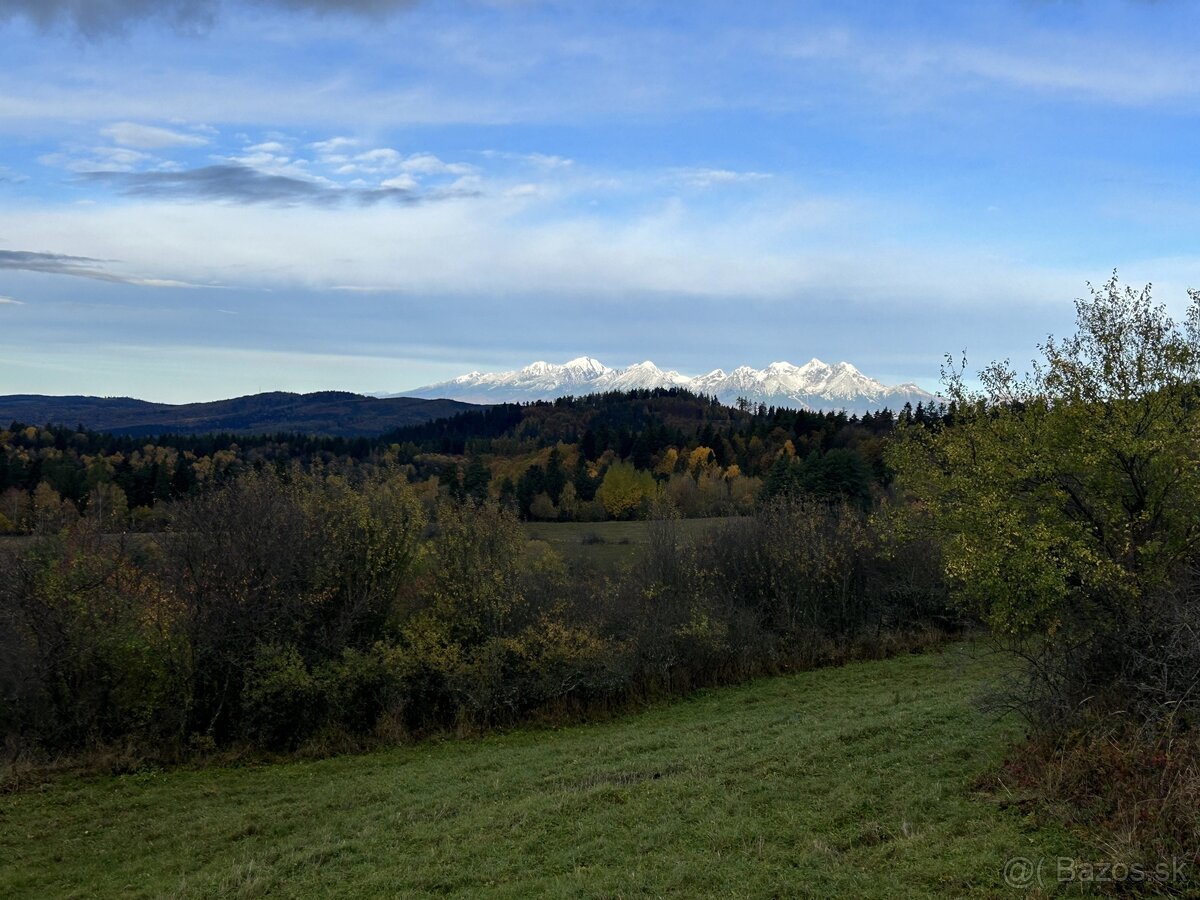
pixel 548 460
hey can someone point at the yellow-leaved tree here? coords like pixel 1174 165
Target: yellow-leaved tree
pixel 626 491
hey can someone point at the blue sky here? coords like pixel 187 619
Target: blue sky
pixel 206 199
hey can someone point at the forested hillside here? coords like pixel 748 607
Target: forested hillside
pixel 599 457
pixel 322 413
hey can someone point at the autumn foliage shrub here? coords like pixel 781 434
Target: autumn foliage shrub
pixel 1066 503
pixel 285 609
pixel 87 652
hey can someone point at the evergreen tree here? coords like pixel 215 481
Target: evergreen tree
pixel 183 481
pixel 839 474
pixel 477 479
pixel 587 447
pixel 449 479
pixel 585 485
pixel 784 479
pixel 555 478
pixel 508 493
pixel 531 483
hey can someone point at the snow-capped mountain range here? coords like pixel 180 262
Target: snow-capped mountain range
pixel 814 385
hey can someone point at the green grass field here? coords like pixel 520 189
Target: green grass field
pixel 848 782
pixel 606 545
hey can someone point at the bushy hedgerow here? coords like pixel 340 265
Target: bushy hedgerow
pixel 281 609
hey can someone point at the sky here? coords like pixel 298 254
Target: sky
pixel 207 198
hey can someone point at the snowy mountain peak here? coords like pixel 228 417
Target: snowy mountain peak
pixel 586 365
pixel 814 385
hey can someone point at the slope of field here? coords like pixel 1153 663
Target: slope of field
pixel 850 782
pixel 332 413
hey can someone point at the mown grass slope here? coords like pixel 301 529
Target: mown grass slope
pixel 852 781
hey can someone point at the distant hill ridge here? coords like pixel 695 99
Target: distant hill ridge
pixel 331 413
pixel 814 386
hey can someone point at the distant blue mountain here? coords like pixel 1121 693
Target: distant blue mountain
pixel 333 413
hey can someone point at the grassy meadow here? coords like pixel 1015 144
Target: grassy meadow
pixel 851 781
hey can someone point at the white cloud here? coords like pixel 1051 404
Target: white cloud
pixel 538 160
pixel 335 151
pixel 704 178
pixel 342 156
pixel 524 190
pixel 1117 75
pixel 94 159
pixel 372 162
pixel 403 182
pixel 334 145
pixel 268 148
pixel 428 164
pixel 1077 65
pixel 546 161
pixel 272 158
pixel 797 250
pixel 384 156
pixel 150 137
pixel 466 184
pixel 10 301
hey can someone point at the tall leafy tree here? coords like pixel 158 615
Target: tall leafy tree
pixel 1068 498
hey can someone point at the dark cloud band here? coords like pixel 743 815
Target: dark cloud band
pixel 79 266
pixel 57 264
pixel 93 18
pixel 241 184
